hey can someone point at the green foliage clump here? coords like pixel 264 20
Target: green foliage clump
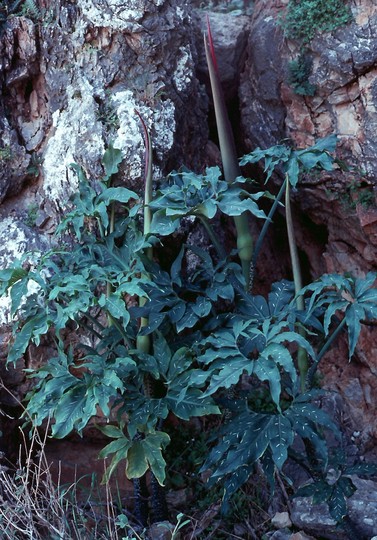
pixel 5 153
pixel 31 216
pixel 205 331
pixel 107 113
pixel 304 19
pixel 360 194
pixel 31 9
pixel 26 8
pixel 299 71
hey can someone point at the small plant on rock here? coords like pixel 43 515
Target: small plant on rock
pixel 304 19
pixel 299 71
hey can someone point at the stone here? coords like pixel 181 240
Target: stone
pixel 315 519
pixel 162 531
pixel 362 511
pixel 14 161
pixel 363 506
pixel 281 520
pixel 279 535
pixel 262 114
pixel 229 35
pixel 301 536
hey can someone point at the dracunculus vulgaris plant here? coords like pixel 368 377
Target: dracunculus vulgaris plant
pixel 103 263
pixel 204 331
pixel 292 163
pixel 228 155
pixel 231 173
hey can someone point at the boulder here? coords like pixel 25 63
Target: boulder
pixel 362 506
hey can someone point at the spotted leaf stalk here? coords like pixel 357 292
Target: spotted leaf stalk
pixel 228 154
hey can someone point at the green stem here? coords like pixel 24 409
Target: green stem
pixel 302 355
pixel 100 228
pixel 143 343
pixel 109 288
pixel 268 222
pixel 296 269
pixel 324 350
pixel 219 248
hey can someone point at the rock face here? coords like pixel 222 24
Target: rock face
pixel 72 83
pixel 335 214
pixel 316 519
pixel 344 103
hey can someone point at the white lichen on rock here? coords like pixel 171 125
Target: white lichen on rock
pixel 15 244
pixel 16 241
pixel 116 14
pixel 77 134
pixel 160 122
pixel 129 138
pixel 183 74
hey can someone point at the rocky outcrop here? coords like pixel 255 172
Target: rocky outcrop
pixel 72 82
pixel 72 77
pixel 315 518
pixel 344 102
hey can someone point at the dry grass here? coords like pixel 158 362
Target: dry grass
pixel 33 507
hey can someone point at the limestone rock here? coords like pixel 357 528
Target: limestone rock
pixel 301 536
pixel 13 161
pixel 342 206
pixel 281 520
pixel 363 506
pixel 285 534
pixel 262 113
pixel 74 83
pixel 315 519
pixel 279 535
pixel 229 33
